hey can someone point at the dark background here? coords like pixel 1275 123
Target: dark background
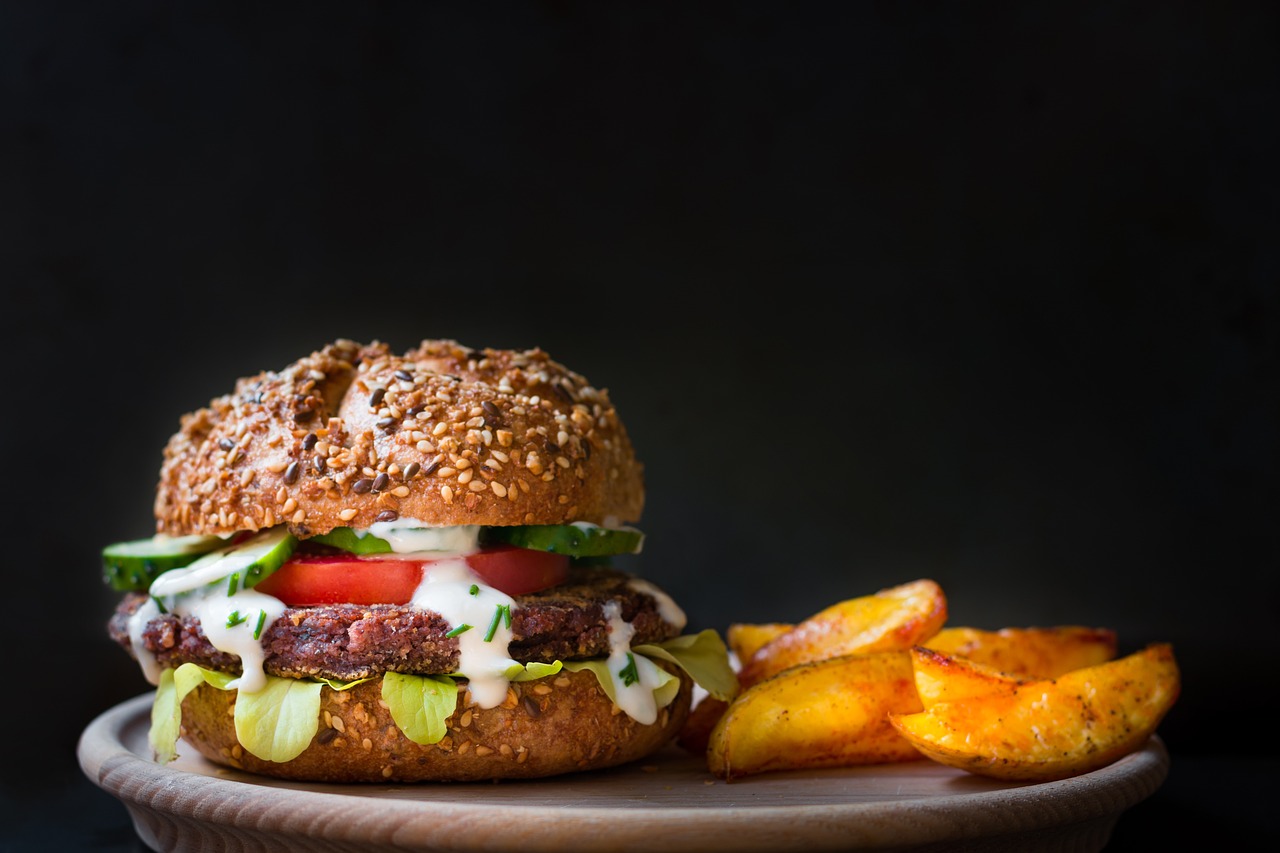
pixel 978 292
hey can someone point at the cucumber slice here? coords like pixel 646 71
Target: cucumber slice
pixel 237 566
pixel 348 540
pixel 576 540
pixel 133 565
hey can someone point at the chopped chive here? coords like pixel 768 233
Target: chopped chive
pixel 160 604
pixel 475 590
pixel 232 583
pixel 262 618
pixel 493 623
pixel 506 614
pixel 461 629
pixel 234 618
pixel 628 673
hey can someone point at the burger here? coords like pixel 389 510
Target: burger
pixel 381 567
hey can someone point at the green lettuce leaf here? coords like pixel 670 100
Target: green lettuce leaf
pixel 166 710
pixel 275 724
pixel 667 689
pixel 278 722
pixel 703 655
pixel 420 704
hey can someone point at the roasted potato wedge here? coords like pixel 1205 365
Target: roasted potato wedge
pixel 1037 729
pixel 745 639
pixel 894 618
pixel 1043 652
pixel 828 713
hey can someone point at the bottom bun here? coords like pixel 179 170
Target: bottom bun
pixel 561 724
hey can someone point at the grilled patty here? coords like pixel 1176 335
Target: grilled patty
pixel 350 641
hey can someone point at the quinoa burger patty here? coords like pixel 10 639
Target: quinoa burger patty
pixel 350 641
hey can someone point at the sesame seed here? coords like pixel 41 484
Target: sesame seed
pixel 400 491
pixel 387 771
pixel 385 424
pixel 226 443
pixel 289 506
pixel 465 476
pixel 440 429
pixel 347 514
pixel 483 750
pixel 446 472
pixel 498 489
pixel 299 517
pixel 474 485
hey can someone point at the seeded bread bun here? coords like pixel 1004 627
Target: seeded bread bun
pixel 554 725
pixel 445 434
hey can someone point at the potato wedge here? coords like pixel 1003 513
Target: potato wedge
pixel 828 713
pixel 1043 652
pixel 944 678
pixel 894 618
pixel 745 639
pixel 1041 729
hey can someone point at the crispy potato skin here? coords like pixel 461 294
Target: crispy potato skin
pixel 744 639
pixel 1044 652
pixel 828 713
pixel 1038 729
pixel 893 618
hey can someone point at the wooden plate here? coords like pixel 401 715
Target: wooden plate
pixel 669 803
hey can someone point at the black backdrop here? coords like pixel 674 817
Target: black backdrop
pixel 978 292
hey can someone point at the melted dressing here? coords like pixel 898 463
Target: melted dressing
pixel 147 611
pixel 408 535
pixel 635 699
pixel 446 589
pixel 214 608
pixel 667 607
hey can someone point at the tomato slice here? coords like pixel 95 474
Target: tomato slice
pixel 350 579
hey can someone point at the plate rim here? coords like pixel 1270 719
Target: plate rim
pixel 1102 794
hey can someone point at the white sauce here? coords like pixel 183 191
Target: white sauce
pixel 408 535
pixel 446 589
pixel 635 699
pixel 206 570
pixel 147 611
pixel 214 608
pixel 667 607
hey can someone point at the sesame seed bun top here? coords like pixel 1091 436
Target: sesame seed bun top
pixel 445 434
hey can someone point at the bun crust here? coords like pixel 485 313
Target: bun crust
pixel 354 434
pixel 555 725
